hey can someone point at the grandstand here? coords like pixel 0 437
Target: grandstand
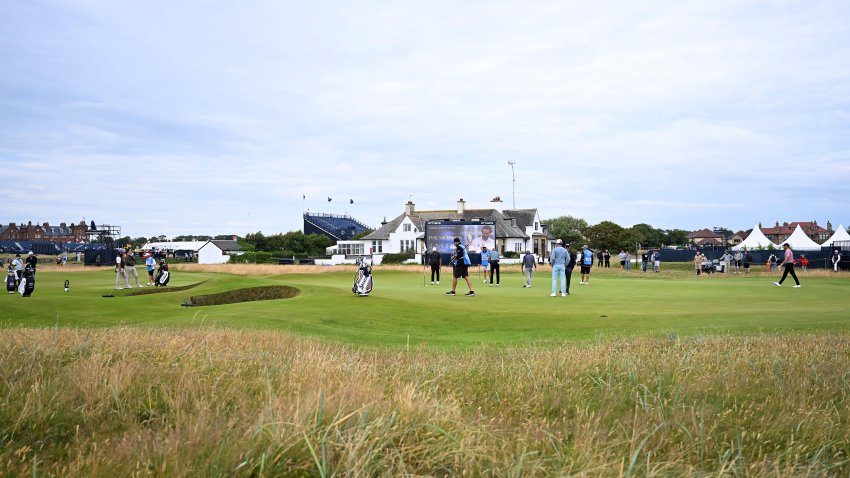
pixel 337 227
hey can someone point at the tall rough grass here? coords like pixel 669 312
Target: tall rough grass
pixel 125 402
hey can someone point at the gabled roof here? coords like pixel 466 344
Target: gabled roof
pixel 840 234
pixel 705 234
pixel 226 245
pixel 504 228
pixel 799 240
pixel 754 241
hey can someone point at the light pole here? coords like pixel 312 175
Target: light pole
pixel 513 182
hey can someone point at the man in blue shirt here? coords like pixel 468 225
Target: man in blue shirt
pixel 559 259
pixel 460 263
pixel 485 263
pixel 494 266
pixel 586 263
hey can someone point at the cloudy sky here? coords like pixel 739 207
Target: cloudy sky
pixel 216 117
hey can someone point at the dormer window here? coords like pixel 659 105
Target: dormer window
pixel 536 225
pixel 406 227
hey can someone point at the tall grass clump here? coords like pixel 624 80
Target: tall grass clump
pixel 128 402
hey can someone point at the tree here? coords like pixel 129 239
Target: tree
pixel 607 235
pixel 225 237
pixel 675 236
pixel 645 235
pixel 568 228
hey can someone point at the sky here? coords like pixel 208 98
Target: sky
pixel 216 117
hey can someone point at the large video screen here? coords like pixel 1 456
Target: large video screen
pixel 473 235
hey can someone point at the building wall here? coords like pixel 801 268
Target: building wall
pixel 211 254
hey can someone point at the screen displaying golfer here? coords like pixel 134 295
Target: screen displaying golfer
pixel 472 235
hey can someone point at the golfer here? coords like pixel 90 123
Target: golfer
pixel 460 263
pixel 528 266
pixel 788 266
pixel 119 271
pixel 559 259
pixel 130 269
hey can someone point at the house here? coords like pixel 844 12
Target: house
pixel 705 237
pixel 218 252
pixel 516 230
pixel 61 234
pixel 779 233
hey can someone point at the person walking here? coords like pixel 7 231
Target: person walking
pixel 435 260
pixel 485 263
pixel 120 275
pixel 32 261
pixel 18 264
pixel 586 263
pixel 559 259
pixel 571 264
pixel 150 263
pixel 130 269
pixel 493 255
pixel 528 266
pixel 788 266
pixel 460 263
pixel 836 258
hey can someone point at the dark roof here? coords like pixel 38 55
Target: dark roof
pixel 504 228
pixel 227 245
pixel 705 233
pixel 524 217
pixel 58 231
pixel 3 228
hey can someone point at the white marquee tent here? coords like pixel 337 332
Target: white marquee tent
pixel 799 241
pixel 840 234
pixel 756 240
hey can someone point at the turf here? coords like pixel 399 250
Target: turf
pixel 402 312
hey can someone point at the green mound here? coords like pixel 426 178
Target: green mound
pixel 249 294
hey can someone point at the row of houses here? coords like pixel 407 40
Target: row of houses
pixel 61 234
pixel 777 234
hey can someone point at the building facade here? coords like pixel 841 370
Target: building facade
pixel 61 234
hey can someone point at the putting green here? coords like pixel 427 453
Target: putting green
pixel 401 311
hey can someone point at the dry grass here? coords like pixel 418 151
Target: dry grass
pixel 125 402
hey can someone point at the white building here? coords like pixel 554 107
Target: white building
pixel 218 252
pixel 517 230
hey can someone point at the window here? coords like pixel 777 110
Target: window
pixel 536 225
pixel 405 245
pixel 518 247
pixel 351 249
pixel 377 247
pixel 406 227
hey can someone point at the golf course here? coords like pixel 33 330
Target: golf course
pixel 283 371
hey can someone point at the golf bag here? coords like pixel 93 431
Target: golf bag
pixel 362 279
pixel 162 276
pixel 11 281
pixel 27 282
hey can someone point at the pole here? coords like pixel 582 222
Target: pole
pixel 513 182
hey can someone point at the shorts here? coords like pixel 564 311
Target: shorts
pixel 585 269
pixel 737 263
pixel 657 263
pixel 746 265
pixel 461 271
pixel 486 267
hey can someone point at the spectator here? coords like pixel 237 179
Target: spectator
pixel 607 256
pixel 644 261
pixel 628 261
pixel 528 266
pixel 601 256
pixel 788 266
pixel 698 262
pixel 559 259
pixel 435 260
pixel 656 261
pixel 836 258
pixel 622 257
pixel 804 262
pixel 739 258
pixel 772 262
pixel 748 259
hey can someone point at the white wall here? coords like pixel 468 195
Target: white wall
pixel 211 254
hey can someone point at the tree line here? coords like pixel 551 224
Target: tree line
pixel 610 235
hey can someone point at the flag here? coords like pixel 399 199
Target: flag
pixel 329 199
pixel 303 196
pixel 351 201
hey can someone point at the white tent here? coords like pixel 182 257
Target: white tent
pixel 756 240
pixel 840 234
pixel 799 241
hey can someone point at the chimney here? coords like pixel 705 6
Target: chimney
pixel 496 203
pixel 46 225
pixel 384 222
pixel 461 206
pixel 409 208
pixel 234 237
pixel 62 224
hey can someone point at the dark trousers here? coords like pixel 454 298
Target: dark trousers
pixel 607 262
pixel 435 270
pixel 494 269
pixel 789 268
pixel 568 273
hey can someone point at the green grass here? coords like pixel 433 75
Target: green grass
pixel 402 312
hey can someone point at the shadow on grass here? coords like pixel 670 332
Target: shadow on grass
pixel 160 290
pixel 273 292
